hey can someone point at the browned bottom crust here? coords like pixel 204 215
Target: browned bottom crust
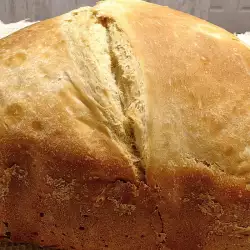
pixel 192 211
pixel 5 245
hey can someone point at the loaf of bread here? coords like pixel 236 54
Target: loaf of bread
pixel 125 126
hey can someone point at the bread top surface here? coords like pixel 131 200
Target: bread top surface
pixel 59 101
pixel 197 82
pixel 125 86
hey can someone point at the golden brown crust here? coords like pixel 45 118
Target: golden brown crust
pixel 43 102
pixel 199 75
pixel 95 96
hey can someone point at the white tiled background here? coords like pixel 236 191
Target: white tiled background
pixel 234 15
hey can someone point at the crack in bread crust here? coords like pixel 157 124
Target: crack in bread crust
pixel 131 89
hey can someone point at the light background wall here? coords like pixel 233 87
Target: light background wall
pixel 233 15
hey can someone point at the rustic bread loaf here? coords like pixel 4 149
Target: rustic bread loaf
pixel 125 126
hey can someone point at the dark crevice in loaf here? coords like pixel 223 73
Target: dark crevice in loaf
pixel 204 162
pixel 6 233
pixel 209 164
pixel 157 211
pixel 41 214
pixel 162 224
